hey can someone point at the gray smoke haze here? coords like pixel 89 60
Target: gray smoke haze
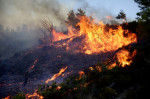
pixel 14 41
pixel 15 13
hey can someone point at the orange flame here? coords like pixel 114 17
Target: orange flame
pixel 109 17
pixel 31 67
pixel 124 58
pixel 99 40
pixel 34 96
pixel 58 87
pixel 56 75
pixel 81 73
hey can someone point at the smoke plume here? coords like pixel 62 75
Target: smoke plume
pixel 15 37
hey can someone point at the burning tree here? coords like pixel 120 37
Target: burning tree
pixel 73 18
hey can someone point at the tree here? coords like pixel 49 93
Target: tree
pixel 144 19
pixel 144 6
pixel 73 18
pixel 80 13
pixel 121 15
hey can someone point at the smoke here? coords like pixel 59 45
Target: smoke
pixel 16 37
pixel 14 41
pixel 15 13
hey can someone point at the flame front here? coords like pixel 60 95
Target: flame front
pixel 35 95
pixel 98 39
pixel 56 75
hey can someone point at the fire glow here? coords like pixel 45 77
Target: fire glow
pixel 97 39
pixel 34 96
pixel 56 75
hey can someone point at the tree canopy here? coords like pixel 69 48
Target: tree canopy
pixel 73 18
pixel 121 15
pixel 144 6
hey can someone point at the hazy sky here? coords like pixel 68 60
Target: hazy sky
pixel 114 6
pixel 14 13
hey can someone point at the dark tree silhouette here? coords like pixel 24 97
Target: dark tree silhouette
pixel 121 15
pixel 80 13
pixel 73 18
pixel 144 19
pixel 144 6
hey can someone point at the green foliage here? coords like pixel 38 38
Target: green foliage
pixel 19 96
pixel 94 84
pixel 144 5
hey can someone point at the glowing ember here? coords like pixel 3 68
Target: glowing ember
pixel 81 73
pixel 58 87
pixel 91 68
pixel 99 68
pixel 34 96
pixel 31 67
pixel 56 75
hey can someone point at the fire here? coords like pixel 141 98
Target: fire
pixel 57 36
pixel 31 67
pixel 109 17
pixel 91 68
pixel 81 73
pixel 58 87
pixel 34 96
pixel 124 58
pixel 56 75
pixel 99 40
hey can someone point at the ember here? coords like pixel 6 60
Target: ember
pixel 56 75
pixel 34 96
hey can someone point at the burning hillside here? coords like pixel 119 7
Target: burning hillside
pixel 86 43
pixel 95 38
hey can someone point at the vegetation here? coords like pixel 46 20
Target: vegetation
pixel 73 18
pixel 122 15
pixel 107 84
pixel 19 96
pixel 130 82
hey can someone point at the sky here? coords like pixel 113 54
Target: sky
pixel 114 6
pixel 14 13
